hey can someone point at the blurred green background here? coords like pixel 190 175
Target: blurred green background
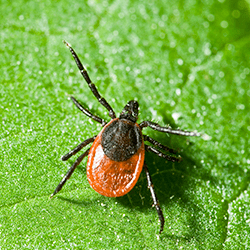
pixel 187 64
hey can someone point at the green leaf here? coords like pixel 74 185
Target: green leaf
pixel 187 64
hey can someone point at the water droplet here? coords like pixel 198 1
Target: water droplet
pixel 209 101
pixel 180 61
pixel 206 137
pixel 206 24
pixel 172 44
pixel 127 68
pixel 176 116
pixel 240 106
pixel 178 92
pixel 236 13
pixel 162 35
pixel 207 51
pixel 191 77
pixel 210 17
pixel 176 12
pixel 211 72
pixel 246 71
pixel 191 50
pixel 224 24
pixel 153 26
pixel 180 75
pixel 221 74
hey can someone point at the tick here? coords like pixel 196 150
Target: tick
pixel 116 157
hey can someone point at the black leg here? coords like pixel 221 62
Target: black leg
pixel 155 200
pixel 157 127
pixel 160 154
pixel 158 144
pixel 91 85
pixel 78 148
pixel 70 172
pixel 87 112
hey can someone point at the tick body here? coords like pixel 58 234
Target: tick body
pixel 116 157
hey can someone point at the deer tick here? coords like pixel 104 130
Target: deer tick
pixel 116 157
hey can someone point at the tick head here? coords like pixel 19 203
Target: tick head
pixel 130 111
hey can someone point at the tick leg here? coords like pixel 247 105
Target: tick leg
pixel 87 112
pixel 70 172
pixel 158 144
pixel 155 200
pixel 89 82
pixel 169 130
pixel 78 148
pixel 160 154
